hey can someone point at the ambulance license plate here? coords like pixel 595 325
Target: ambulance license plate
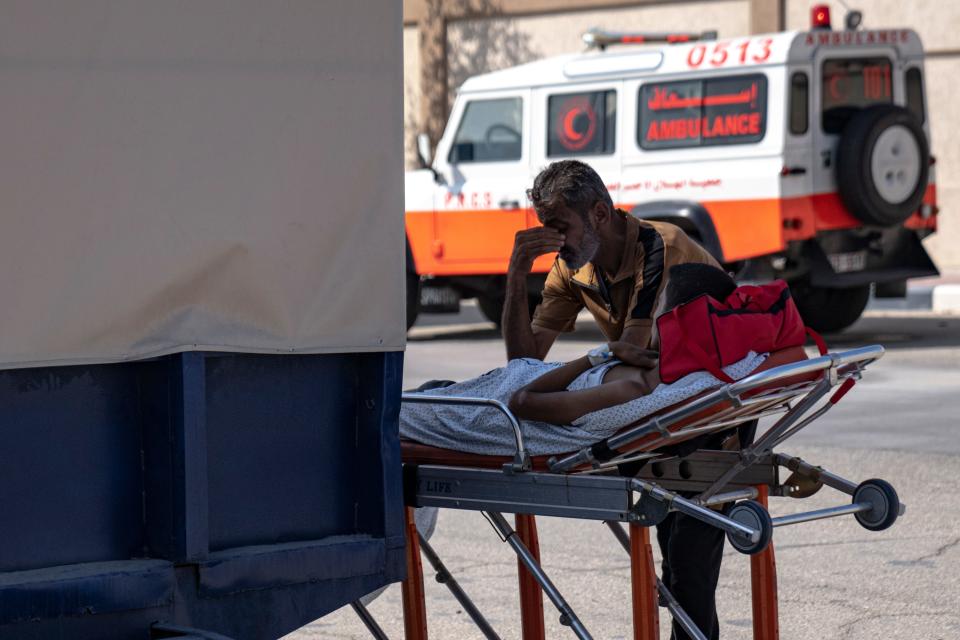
pixel 847 262
pixel 441 299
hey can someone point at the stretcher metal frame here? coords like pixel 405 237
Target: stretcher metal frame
pixel 600 482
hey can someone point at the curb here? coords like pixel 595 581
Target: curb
pixel 946 298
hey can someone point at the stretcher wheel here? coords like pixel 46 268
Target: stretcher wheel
pixel 751 514
pixel 885 503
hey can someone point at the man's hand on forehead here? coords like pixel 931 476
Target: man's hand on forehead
pixel 530 244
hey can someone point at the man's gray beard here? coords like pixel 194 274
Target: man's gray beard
pixel 591 243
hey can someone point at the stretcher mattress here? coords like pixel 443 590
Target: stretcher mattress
pixel 484 431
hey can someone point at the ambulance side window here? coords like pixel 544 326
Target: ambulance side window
pixel 699 113
pixel 799 103
pixel 914 83
pixel 489 131
pixel 581 124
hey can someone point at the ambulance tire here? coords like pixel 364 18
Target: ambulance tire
pixel 830 310
pixel 413 297
pixel 890 192
pixel 492 307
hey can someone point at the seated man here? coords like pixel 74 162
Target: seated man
pixel 591 397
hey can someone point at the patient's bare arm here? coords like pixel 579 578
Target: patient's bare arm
pixel 546 399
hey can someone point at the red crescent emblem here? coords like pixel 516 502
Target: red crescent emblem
pixel 568 130
pixel 835 91
pixel 577 123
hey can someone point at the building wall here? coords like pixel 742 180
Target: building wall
pixel 480 45
pixel 938 24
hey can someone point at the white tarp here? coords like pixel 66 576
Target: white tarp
pixel 215 174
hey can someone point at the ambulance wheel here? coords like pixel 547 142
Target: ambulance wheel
pixel 751 514
pixel 492 307
pixel 885 504
pixel 830 310
pixel 413 297
pixel 883 163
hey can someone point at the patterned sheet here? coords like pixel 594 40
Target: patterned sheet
pixel 485 431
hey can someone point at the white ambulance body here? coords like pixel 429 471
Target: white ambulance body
pixel 799 155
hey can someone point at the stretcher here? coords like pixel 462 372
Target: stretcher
pixel 629 478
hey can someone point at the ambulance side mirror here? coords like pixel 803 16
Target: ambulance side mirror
pixel 423 150
pixel 426 158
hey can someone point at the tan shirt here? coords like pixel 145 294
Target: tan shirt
pixel 626 299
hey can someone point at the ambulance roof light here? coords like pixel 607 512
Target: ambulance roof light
pixel 600 39
pixel 820 17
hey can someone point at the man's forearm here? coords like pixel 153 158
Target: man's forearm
pixel 515 324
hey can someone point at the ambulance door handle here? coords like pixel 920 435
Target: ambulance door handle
pixel 793 171
pixel 509 204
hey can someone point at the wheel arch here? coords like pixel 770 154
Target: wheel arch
pixel 411 264
pixel 689 216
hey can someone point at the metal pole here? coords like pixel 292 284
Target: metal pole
pixel 748 493
pixel 368 620
pixel 821 514
pixel 804 468
pixel 768 439
pixel 673 606
pixel 567 616
pixel 445 578
pixel 694 510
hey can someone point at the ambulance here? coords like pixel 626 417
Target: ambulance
pixel 801 155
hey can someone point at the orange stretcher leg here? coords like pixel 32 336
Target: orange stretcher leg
pixel 414 602
pixel 763 582
pixel 531 596
pixel 643 580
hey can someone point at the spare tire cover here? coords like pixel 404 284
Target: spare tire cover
pixel 883 164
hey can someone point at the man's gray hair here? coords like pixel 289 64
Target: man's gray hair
pixel 571 183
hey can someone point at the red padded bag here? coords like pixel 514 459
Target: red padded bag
pixel 707 335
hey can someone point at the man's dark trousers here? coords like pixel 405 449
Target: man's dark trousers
pixel 692 551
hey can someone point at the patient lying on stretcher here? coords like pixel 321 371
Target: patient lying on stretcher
pixel 563 407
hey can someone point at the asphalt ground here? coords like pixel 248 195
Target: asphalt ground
pixel 835 579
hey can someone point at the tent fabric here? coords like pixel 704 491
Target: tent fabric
pixel 224 176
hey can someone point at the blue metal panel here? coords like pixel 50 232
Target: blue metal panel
pixel 281 443
pixel 245 568
pixel 70 481
pixel 241 494
pixel 93 587
pixel 379 441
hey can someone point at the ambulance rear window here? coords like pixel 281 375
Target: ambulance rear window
pixel 581 124
pixel 699 113
pixel 849 85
